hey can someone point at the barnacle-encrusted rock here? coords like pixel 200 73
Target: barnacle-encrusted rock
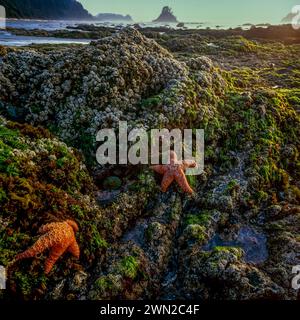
pixel 223 269
pixel 136 265
pixel 76 92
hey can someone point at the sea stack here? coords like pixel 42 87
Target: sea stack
pixel 166 16
pixel 289 17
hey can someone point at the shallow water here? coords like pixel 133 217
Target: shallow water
pixel 50 25
pixel 63 24
pixel 8 39
pixel 137 233
pixel 253 242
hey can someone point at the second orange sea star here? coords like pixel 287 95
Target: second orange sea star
pixel 175 171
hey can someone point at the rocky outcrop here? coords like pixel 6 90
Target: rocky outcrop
pixel 289 17
pixel 166 16
pixel 113 17
pixel 236 238
pixel 83 90
pixel 137 265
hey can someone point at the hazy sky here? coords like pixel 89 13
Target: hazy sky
pixel 216 11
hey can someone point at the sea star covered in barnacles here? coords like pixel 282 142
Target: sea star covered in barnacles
pixel 175 171
pixel 56 236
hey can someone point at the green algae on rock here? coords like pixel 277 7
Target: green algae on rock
pixel 41 181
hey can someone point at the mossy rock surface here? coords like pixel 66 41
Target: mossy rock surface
pixel 41 181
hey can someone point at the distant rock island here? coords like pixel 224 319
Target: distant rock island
pixel 166 16
pixel 288 18
pixel 113 17
pixel 45 9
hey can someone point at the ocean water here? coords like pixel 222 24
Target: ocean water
pixel 63 24
pixel 8 39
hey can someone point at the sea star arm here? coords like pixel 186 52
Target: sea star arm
pixel 166 181
pixel 161 169
pixel 38 247
pixel 54 254
pixel 73 224
pixel 189 164
pixel 183 183
pixel 173 157
pixel 74 249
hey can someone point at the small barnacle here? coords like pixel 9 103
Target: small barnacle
pixel 52 157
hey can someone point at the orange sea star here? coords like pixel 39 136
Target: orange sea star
pixel 175 171
pixel 56 236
